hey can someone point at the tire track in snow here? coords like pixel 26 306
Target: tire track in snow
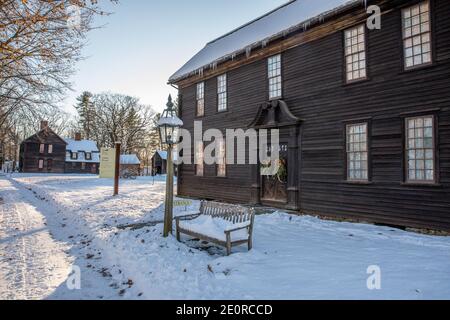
pixel 33 264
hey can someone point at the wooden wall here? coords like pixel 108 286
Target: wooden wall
pixel 77 168
pixel 315 90
pixel 30 155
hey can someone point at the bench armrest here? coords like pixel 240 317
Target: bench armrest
pixel 187 217
pixel 237 229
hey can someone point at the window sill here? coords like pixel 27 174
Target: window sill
pixel 363 183
pixel 418 184
pixel 420 67
pixel 355 82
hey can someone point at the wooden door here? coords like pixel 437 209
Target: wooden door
pixel 274 188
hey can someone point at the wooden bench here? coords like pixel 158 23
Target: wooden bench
pixel 236 223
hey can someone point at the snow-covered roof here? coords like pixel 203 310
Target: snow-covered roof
pixel 82 147
pixel 280 21
pixel 163 155
pixel 129 159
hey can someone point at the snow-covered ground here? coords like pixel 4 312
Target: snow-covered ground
pixel 50 222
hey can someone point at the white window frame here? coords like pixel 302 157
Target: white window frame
pixel 50 149
pixel 74 155
pixel 200 97
pixel 355 53
pixel 420 149
pixel 274 75
pixel 417 36
pixel 200 159
pixel 222 96
pixel 42 148
pixel 88 156
pixel 222 157
pixel 357 146
pixel 41 164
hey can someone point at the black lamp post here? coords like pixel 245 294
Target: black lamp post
pixel 169 130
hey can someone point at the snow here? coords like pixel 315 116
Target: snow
pixel 215 228
pixel 129 159
pixel 295 14
pixel 294 257
pixel 81 145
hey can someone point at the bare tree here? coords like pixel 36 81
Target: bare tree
pixel 40 42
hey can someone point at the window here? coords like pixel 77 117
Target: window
pixel 199 155
pixel 200 99
pixel 357 152
pixel 417 35
pixel 274 74
pixel 74 155
pixel 88 156
pixel 50 148
pixel 41 148
pixel 420 149
pixel 49 164
pixel 83 166
pixel 222 164
pixel 355 53
pixel 222 93
pixel 41 164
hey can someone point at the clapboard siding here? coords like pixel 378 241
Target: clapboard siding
pixel 30 153
pixel 315 90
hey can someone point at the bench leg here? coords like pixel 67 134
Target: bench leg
pixel 228 244
pixel 178 236
pixel 250 244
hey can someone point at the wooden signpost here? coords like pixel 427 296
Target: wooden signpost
pixel 117 170
pixel 110 165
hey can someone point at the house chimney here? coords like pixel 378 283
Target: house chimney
pixel 44 124
pixel 78 136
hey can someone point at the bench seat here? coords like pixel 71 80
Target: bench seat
pixel 223 224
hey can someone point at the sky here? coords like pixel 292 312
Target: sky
pixel 145 41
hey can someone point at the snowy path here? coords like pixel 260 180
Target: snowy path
pixel 33 264
pixel 294 257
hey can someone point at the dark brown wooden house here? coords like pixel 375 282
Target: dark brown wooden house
pixel 364 114
pixel 44 151
pixel 159 163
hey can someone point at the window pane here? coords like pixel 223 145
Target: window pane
pixel 200 159
pixel 200 99
pixel 357 152
pixel 416 35
pixel 221 166
pixel 274 75
pixel 420 148
pixel 222 92
pixel 355 47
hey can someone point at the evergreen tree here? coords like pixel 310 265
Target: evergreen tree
pixel 86 112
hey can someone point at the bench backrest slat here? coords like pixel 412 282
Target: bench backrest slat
pixel 229 212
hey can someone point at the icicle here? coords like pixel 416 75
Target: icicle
pixel 365 3
pixel 306 25
pixel 248 51
pixel 264 43
pixel 214 65
pixel 233 56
